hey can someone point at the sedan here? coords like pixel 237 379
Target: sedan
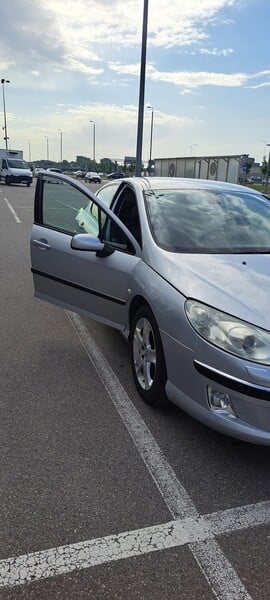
pixel 116 175
pixel 181 267
pixel 80 174
pixel 92 176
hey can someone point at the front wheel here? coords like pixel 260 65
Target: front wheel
pixel 147 358
pixel 7 180
pixel 28 184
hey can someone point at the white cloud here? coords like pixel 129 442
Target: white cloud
pixel 75 65
pixel 188 79
pixel 215 52
pixel 260 85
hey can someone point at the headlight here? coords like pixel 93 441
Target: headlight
pixel 229 333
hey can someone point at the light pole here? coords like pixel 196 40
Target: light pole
pixel 3 81
pixel 61 145
pixel 94 141
pixel 265 144
pixel 192 148
pixel 267 172
pixel 47 146
pixel 29 150
pixel 151 136
pixel 138 168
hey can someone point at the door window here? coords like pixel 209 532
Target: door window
pixel 106 194
pixel 67 209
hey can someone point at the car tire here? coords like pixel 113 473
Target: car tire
pixel 7 181
pixel 147 358
pixel 28 184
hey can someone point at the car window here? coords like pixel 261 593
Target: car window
pixel 126 209
pixel 194 220
pixel 106 194
pixel 67 209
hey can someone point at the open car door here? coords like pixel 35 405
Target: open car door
pixel 82 255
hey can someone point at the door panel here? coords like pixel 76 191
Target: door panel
pixel 76 279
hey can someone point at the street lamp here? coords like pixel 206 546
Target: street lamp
pixel 192 148
pixel 267 172
pixel 138 168
pixel 151 136
pixel 61 145
pixel 94 141
pixel 265 144
pixel 29 150
pixel 3 81
pixel 47 146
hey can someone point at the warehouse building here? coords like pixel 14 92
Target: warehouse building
pixel 232 168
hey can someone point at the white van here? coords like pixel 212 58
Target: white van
pixel 13 168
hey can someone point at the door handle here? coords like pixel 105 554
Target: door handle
pixel 42 244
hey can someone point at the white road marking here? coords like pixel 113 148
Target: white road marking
pixel 82 555
pixel 222 578
pixel 187 528
pixel 12 211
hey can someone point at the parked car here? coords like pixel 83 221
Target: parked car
pixel 181 268
pixel 37 170
pixel 116 175
pixel 92 176
pixel 80 174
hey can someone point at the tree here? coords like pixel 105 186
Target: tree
pixel 264 165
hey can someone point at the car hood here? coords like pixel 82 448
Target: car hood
pixel 16 172
pixel 236 284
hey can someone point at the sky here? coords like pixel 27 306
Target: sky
pixel 75 63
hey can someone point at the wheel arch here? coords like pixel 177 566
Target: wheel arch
pixel 135 304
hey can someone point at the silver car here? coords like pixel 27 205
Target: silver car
pixel 182 268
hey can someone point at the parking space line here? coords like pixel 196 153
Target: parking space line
pixel 216 568
pixel 83 555
pixel 187 528
pixel 12 211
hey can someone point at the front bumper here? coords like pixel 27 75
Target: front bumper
pixel 20 179
pixel 191 374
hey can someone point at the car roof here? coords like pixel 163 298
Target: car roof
pixel 161 183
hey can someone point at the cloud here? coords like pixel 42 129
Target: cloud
pixel 191 80
pixel 84 30
pixel 260 85
pixel 187 79
pixel 215 52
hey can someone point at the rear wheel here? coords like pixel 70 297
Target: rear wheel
pixel 28 184
pixel 147 358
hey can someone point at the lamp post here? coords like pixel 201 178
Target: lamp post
pixel 138 168
pixel 3 81
pixel 151 136
pixel 264 148
pixel 61 145
pixel 29 150
pixel 94 141
pixel 267 172
pixel 192 148
pixel 47 146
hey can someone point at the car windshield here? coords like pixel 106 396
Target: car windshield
pixel 17 164
pixel 207 221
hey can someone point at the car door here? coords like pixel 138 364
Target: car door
pixel 89 273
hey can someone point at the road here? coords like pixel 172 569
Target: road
pixel 103 497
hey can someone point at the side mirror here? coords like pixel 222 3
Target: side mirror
pixel 90 243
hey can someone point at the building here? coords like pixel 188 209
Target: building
pixel 232 168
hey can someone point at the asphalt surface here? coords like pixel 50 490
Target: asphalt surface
pixel 79 465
